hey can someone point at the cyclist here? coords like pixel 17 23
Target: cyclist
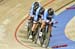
pixel 48 18
pixel 39 16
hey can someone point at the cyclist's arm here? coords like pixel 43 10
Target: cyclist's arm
pixel 45 16
pixel 53 21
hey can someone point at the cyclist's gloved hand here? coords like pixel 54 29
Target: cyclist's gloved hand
pixel 50 22
pixel 56 22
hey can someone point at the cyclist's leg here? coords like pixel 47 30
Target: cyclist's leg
pixel 41 33
pixel 41 28
pixel 50 29
pixel 33 32
pixel 30 24
pixel 48 35
pixel 29 28
pixel 36 33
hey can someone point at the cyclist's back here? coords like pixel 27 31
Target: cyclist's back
pixel 33 9
pixel 39 14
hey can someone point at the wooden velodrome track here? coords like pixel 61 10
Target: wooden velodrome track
pixel 12 12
